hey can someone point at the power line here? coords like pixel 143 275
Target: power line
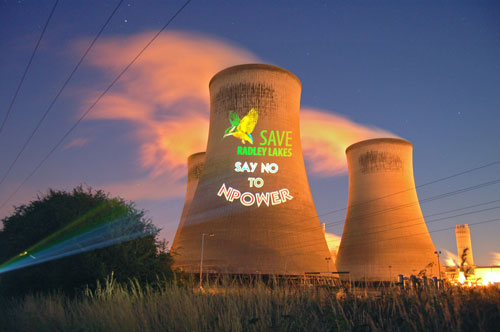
pixel 416 187
pixel 442 229
pixel 441 213
pixel 312 242
pixel 361 234
pixel 338 222
pixel 402 236
pixel 351 233
pixel 396 207
pixel 95 103
pixel 14 98
pixel 54 100
pixel 437 197
pixel 428 222
pixel 444 195
pixel 423 233
pixel 401 206
pixel 422 201
pixel 429 199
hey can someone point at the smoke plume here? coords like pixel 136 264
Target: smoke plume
pixel 449 258
pixel 325 136
pixel 496 258
pixel 164 98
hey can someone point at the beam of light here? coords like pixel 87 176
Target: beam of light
pixel 85 242
pixel 90 219
pixel 81 236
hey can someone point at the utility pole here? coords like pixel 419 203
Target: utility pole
pixel 201 259
pixel 328 259
pixel 439 264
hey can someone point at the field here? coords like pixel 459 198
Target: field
pixel 230 306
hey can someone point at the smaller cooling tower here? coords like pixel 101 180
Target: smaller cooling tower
pixel 385 233
pixel 463 244
pixel 195 167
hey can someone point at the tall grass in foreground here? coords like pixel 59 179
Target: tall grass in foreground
pixel 258 307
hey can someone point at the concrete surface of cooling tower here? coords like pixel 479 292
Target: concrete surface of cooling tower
pixel 253 194
pixel 194 168
pixel 463 242
pixel 385 233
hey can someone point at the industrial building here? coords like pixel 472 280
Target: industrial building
pixel 253 196
pixel 465 272
pixel 248 206
pixel 464 246
pixel 195 167
pixel 385 233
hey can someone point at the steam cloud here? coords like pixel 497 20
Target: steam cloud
pixel 325 136
pixel 450 259
pixel 164 97
pixel 496 258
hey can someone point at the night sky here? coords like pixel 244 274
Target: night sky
pixel 424 71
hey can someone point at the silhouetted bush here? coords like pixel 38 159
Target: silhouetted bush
pixel 79 220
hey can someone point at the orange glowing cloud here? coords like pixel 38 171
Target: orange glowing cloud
pixel 164 98
pixel 76 143
pixel 164 95
pixel 325 136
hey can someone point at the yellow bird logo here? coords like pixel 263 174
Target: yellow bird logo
pixel 242 129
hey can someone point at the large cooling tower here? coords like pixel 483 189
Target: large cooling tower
pixel 463 242
pixel 385 233
pixel 194 167
pixel 253 194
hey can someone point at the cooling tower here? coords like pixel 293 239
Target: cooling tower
pixel 385 233
pixel 253 194
pixel 195 167
pixel 463 242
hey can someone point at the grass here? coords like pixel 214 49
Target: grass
pixel 172 306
